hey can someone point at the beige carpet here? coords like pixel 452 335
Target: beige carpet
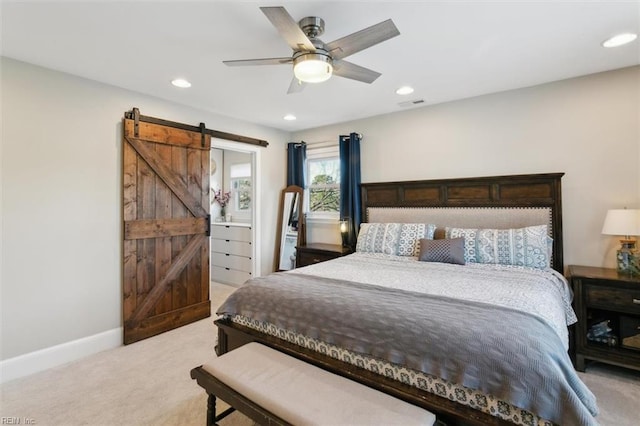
pixel 148 383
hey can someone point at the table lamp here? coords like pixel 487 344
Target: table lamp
pixel 624 222
pixel 344 231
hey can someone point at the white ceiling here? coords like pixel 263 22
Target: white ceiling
pixel 446 50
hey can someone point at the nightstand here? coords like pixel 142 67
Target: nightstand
pixel 608 308
pixel 311 253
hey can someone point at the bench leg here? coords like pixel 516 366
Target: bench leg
pixel 211 410
pixel 212 419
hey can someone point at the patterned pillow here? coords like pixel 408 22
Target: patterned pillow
pixel 522 246
pixel 443 251
pixel 402 239
pixel 378 238
pixel 410 236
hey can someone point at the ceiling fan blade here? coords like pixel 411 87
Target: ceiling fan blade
pixel 265 61
pixel 355 72
pixel 288 28
pixel 362 39
pixel 296 86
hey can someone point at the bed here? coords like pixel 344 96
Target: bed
pixel 480 343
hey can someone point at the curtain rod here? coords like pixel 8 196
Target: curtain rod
pixel 312 145
pixel 360 135
pixel 322 143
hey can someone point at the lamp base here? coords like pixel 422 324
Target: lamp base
pixel 627 258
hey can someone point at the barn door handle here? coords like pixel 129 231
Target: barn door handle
pixel 208 231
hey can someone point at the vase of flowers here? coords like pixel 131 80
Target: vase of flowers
pixel 222 198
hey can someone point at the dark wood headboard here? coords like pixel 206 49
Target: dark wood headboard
pixel 517 191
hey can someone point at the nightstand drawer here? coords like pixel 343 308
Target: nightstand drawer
pixel 613 298
pixel 313 253
pixel 311 258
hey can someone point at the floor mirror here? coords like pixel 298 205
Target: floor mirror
pixel 291 232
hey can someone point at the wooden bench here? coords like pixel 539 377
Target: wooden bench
pixel 272 388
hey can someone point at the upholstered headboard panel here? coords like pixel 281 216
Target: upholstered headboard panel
pixel 485 202
pixel 464 217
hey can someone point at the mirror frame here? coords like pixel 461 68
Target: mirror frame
pixel 281 224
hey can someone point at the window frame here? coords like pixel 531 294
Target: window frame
pixel 234 183
pixel 321 152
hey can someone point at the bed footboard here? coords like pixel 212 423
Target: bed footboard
pixel 232 336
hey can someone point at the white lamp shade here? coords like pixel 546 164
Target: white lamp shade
pixel 622 222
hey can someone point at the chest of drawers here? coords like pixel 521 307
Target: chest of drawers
pixel 231 253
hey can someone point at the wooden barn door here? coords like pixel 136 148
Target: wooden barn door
pixel 166 227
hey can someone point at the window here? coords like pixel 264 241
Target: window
pixel 240 175
pixel 323 180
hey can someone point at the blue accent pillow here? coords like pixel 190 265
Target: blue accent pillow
pixel 443 251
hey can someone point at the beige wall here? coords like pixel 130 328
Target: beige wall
pixel 61 201
pixel 61 161
pixel 588 128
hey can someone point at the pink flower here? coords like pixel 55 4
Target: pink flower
pixel 222 198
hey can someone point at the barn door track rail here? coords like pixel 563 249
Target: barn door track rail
pixel 134 115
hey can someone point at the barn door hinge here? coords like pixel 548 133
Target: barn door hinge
pixel 208 232
pixel 134 115
pixel 203 130
pixel 136 122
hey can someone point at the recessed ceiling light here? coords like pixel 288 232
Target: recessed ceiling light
pixel 289 117
pixel 181 82
pixel 404 90
pixel 619 40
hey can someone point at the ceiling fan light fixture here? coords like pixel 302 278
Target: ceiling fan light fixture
pixel 312 67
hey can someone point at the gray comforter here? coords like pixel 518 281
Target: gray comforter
pixel 500 351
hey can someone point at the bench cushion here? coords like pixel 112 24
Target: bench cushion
pixel 303 394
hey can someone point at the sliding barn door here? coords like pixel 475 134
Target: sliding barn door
pixel 166 227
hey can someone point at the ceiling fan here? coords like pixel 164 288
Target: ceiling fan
pixel 313 60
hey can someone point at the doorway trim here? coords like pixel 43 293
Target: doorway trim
pixel 256 224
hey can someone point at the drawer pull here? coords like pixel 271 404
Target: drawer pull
pixel 636 301
pixel 318 261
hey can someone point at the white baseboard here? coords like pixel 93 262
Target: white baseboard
pixel 33 362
